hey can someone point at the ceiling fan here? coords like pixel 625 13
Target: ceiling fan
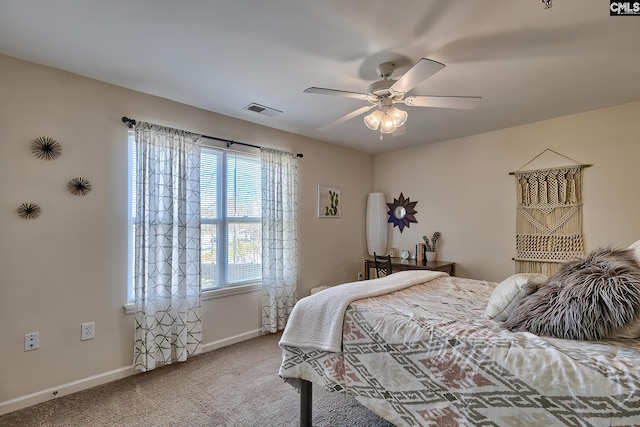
pixel 386 92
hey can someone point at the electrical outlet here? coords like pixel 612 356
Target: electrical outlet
pixel 88 331
pixel 360 276
pixel 31 341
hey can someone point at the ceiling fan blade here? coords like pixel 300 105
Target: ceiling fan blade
pixel 462 102
pixel 349 116
pixel 422 70
pixel 335 92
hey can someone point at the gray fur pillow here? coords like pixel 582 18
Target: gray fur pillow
pixel 595 298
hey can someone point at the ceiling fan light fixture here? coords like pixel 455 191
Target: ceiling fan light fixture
pixel 399 117
pixel 386 92
pixel 373 120
pixel 388 124
pixel 392 119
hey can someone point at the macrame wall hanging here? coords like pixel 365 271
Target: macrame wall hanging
pixel 549 216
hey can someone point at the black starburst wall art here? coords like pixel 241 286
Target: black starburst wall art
pixel 79 186
pixel 401 212
pixel 29 211
pixel 46 148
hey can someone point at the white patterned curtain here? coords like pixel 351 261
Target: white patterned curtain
pixel 168 323
pixel 279 237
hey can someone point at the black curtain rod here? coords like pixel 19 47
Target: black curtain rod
pixel 131 123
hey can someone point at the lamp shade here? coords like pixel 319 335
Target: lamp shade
pixel 399 116
pixel 393 118
pixel 376 224
pixel 387 125
pixel 373 120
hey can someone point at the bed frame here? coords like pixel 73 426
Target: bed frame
pixel 306 399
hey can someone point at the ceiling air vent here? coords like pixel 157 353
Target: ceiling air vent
pixel 261 109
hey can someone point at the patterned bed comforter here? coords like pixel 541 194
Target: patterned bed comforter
pixel 427 356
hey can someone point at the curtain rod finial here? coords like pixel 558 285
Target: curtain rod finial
pixel 129 122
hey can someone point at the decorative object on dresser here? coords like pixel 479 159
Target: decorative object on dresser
pixel 401 212
pixel 430 253
pixel 46 148
pixel 376 223
pixel 420 252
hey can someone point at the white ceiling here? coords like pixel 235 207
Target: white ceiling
pixel 527 63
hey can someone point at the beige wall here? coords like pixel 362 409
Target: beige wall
pixel 69 266
pixel 464 189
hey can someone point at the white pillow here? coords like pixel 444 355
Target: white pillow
pixel 636 250
pixel 510 291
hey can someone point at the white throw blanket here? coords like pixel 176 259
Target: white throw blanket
pixel 316 321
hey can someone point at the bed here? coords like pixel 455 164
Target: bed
pixel 416 349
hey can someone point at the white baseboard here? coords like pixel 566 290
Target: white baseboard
pixel 103 378
pixel 64 389
pixel 231 340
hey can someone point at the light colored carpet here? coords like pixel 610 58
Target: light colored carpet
pixel 233 386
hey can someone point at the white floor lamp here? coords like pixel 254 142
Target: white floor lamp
pixel 376 224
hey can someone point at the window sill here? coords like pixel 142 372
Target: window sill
pixel 232 290
pixel 212 294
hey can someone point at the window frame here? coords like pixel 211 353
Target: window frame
pixel 223 221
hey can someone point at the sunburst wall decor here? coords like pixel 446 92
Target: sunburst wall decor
pixel 29 211
pixel 46 148
pixel 401 212
pixel 79 186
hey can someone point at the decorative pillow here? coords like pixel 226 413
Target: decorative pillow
pixel 595 298
pixel 630 332
pixel 510 291
pixel 636 251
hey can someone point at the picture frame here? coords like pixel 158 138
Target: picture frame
pixel 329 201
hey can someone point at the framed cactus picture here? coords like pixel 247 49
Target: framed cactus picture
pixel 329 202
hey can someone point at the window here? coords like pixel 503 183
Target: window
pixel 230 212
pixel 231 218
